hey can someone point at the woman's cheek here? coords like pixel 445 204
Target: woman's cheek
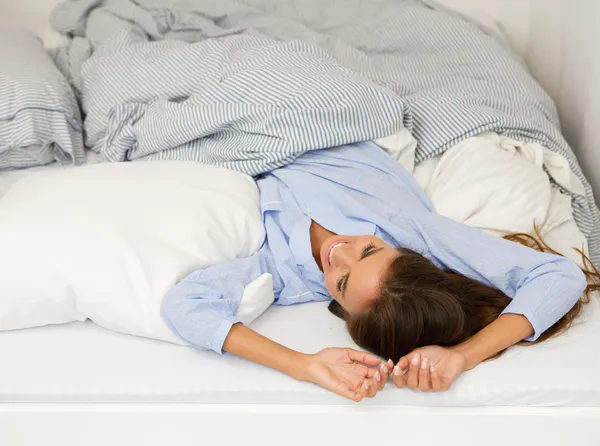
pixel 328 286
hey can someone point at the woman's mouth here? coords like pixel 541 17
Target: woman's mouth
pixel 334 245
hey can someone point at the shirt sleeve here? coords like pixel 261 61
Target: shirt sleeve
pixel 543 287
pixel 201 309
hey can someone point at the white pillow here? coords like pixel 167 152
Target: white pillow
pixel 499 186
pixel 107 241
pixel 484 184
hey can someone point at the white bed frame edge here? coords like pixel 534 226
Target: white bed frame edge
pixel 93 424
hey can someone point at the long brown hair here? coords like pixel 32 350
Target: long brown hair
pixel 422 305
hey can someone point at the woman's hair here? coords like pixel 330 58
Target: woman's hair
pixel 422 305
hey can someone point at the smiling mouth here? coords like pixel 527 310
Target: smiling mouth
pixel 330 252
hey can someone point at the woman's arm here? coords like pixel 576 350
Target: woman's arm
pixel 245 342
pixel 507 330
pixel 543 287
pixel 341 370
pixel 201 309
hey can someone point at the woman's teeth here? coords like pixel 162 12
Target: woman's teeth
pixel 331 251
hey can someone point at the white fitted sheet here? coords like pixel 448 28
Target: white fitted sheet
pixel 83 362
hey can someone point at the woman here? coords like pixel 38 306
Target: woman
pixel 350 223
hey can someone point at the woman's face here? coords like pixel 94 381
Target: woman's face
pixel 354 268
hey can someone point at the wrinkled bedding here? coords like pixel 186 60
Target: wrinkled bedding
pixel 252 84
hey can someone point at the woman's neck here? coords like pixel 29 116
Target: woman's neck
pixel 318 235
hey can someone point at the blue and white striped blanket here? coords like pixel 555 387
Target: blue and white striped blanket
pixel 252 84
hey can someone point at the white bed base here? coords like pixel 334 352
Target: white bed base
pixel 71 424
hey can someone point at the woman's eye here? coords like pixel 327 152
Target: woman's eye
pixel 341 284
pixel 367 250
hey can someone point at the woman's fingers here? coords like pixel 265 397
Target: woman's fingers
pixel 373 386
pixel 424 379
pixel 384 371
pixel 366 389
pixel 398 372
pixel 363 357
pixel 375 379
pixel 403 363
pixel 389 367
pixel 398 377
pixel 377 382
pixel 436 384
pixel 369 373
pixel 357 394
pixel 412 379
pixel 421 373
pixel 370 384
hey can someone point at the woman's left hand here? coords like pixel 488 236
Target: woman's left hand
pixel 430 369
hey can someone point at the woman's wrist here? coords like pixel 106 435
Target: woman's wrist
pixel 245 342
pixel 301 367
pixel 504 332
pixel 470 353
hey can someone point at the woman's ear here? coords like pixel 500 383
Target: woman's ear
pixel 336 309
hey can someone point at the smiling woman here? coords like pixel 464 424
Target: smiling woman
pixel 350 223
pixel 354 267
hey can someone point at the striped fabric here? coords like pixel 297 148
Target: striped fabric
pixel 251 84
pixel 246 103
pixel 39 116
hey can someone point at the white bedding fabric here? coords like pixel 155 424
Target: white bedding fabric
pixel 83 362
pixel 499 186
pixel 107 241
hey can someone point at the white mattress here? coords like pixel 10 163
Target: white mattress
pixel 85 363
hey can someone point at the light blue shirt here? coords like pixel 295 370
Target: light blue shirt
pixel 359 189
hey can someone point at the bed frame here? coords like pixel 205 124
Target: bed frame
pixel 74 424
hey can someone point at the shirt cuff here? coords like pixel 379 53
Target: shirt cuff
pixel 515 308
pixel 221 334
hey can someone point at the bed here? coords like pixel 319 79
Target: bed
pixel 78 383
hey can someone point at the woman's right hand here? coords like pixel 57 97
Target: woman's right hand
pixel 341 370
pixel 348 372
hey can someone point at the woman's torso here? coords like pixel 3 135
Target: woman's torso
pixel 356 189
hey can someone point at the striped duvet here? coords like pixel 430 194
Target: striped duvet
pixel 252 84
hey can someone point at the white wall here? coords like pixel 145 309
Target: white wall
pixel 511 16
pixel 564 55
pixel 33 15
